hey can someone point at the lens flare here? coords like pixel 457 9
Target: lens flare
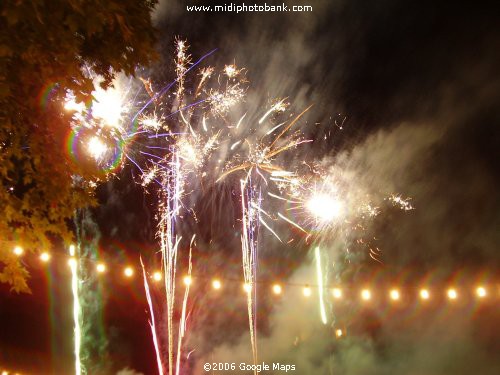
pixel 277 289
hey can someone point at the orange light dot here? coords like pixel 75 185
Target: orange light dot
pixel 395 294
pixel 18 250
pixel 187 280
pixel 424 294
pixel 216 284
pixel 337 293
pixel 101 267
pixel 481 292
pixel 157 276
pixel 366 294
pixel 44 257
pixel 452 294
pixel 339 333
pixel 307 291
pixel 277 289
pixel 129 271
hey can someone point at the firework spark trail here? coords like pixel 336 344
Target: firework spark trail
pixel 321 291
pixel 182 323
pixel 169 210
pixel 152 323
pixel 73 263
pixel 249 246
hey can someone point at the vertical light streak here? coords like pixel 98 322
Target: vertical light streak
pixel 76 309
pixel 171 194
pixel 319 274
pixel 152 321
pixel 249 242
pixel 182 324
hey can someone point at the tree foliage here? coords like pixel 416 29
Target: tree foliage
pixel 48 47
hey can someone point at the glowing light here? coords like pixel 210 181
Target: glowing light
pixel 307 291
pixel 324 207
pixel 129 271
pixel 339 333
pixel 72 262
pixel 101 268
pixel 481 292
pixel 216 284
pixel 96 148
pixel 157 276
pixel 424 294
pixel 394 294
pixel 187 280
pixel 5 373
pixel 277 289
pixel 72 106
pixel 337 293
pixel 366 294
pixel 452 294
pixel 247 287
pixel 44 257
pixel 18 250
pixel 108 106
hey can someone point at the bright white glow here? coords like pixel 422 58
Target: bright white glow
pixel 216 284
pixel 337 293
pixel 72 262
pixel 108 106
pixel 187 280
pixel 394 294
pixel 96 148
pixel 72 106
pixel 247 287
pixel 481 292
pixel 366 294
pixel 277 289
pixel 18 250
pixel 452 293
pixel 339 333
pixel 324 207
pixel 129 271
pixel 424 294
pixel 101 267
pixel 307 291
pixel 45 257
pixel 157 276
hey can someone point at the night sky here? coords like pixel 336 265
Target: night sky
pixel 418 86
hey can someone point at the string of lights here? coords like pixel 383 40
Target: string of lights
pixel 336 292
